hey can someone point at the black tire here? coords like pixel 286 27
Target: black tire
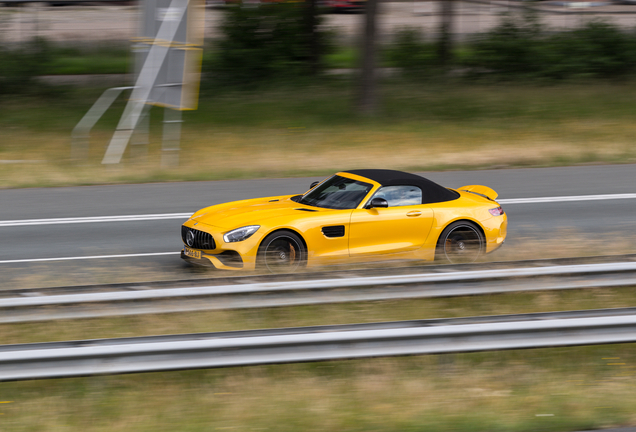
pixel 282 252
pixel 460 242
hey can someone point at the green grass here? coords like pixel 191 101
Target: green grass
pixel 511 391
pixel 343 57
pixel 558 389
pixel 105 59
pixel 312 129
pixel 90 64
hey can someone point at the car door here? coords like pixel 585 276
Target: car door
pixel 402 226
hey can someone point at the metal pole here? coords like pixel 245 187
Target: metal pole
pixel 145 82
pixel 140 138
pixel 81 132
pixel 171 137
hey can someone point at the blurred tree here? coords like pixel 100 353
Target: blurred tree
pixel 20 64
pixel 367 102
pixel 412 53
pixel 520 46
pixel 272 41
pixel 447 13
pixel 311 22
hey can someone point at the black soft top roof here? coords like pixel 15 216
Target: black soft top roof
pixel 431 191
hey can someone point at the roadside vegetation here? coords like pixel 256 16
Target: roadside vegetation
pixel 268 109
pixel 273 111
pixel 287 131
pixel 525 391
pixel 558 389
pixel 261 46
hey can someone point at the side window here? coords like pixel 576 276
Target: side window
pixel 398 196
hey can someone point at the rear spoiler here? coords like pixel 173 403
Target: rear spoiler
pixel 484 191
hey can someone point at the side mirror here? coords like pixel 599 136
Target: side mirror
pixel 314 184
pixel 378 203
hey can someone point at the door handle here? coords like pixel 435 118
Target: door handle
pixel 414 213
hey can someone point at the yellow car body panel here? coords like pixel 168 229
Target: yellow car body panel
pixel 332 235
pixel 389 230
pixel 469 207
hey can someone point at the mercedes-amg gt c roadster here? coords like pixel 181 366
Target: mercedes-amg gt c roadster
pixel 352 216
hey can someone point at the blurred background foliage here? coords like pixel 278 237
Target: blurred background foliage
pixel 412 52
pixel 273 41
pixel 281 43
pixel 20 65
pixel 520 46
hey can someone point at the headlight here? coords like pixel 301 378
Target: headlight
pixel 240 234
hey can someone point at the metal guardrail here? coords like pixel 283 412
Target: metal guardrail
pixel 133 300
pixel 291 345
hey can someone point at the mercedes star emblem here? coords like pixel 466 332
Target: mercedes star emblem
pixel 190 238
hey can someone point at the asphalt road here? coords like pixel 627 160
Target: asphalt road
pixel 24 249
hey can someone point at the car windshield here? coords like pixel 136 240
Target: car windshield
pixel 337 193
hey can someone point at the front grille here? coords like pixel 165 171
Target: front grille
pixel 334 231
pixel 199 239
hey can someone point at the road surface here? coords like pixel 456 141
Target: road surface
pixel 48 233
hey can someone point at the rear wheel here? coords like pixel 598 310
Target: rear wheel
pixel 282 252
pixel 460 242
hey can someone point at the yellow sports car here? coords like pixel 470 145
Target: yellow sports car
pixel 360 215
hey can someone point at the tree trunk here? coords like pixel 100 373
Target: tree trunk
pixel 367 103
pixel 445 46
pixel 311 23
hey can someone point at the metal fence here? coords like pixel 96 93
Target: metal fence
pixel 99 301
pixel 291 345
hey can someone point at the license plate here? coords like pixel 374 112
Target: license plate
pixel 192 253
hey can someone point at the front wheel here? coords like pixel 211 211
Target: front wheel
pixel 282 252
pixel 460 242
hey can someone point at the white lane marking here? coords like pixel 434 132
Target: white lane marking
pixel 567 198
pixel 126 218
pixel 87 257
pixel 149 217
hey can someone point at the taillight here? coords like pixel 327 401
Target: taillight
pixel 496 211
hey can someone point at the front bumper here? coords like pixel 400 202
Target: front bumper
pixel 196 261
pixel 207 243
pixel 228 260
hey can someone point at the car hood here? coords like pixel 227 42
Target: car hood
pixel 251 212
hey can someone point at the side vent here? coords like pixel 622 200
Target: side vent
pixel 334 231
pixel 304 209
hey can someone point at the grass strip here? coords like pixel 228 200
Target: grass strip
pixel 560 389
pixel 311 130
